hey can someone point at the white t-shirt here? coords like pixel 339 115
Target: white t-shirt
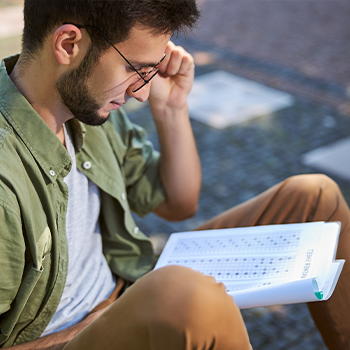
pixel 89 279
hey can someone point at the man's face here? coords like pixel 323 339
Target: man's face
pixel 93 89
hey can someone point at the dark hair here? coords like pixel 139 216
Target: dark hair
pixel 114 18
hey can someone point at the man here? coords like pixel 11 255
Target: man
pixel 73 166
pixel 67 184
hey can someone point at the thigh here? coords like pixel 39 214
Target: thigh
pixel 305 198
pixel 173 308
pixel 301 198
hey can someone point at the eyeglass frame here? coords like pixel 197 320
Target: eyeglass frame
pixel 145 81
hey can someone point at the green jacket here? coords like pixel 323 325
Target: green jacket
pixel 33 203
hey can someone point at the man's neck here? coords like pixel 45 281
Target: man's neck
pixel 36 81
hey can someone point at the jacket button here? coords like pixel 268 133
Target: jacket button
pixel 123 196
pixel 136 230
pixel 52 173
pixel 87 165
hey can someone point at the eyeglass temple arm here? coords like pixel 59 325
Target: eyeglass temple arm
pixel 94 28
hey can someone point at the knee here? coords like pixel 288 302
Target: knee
pixel 174 288
pixel 312 184
pixel 187 302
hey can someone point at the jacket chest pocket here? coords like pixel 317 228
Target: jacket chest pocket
pixel 22 308
pixel 41 267
pixel 36 297
pixel 29 298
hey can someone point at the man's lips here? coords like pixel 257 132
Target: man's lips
pixel 116 105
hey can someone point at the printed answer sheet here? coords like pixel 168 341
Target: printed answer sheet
pixel 258 257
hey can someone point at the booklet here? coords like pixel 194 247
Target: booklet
pixel 263 265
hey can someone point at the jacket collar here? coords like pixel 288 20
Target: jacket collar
pixel 45 147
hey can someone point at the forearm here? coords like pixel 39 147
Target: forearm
pixel 57 341
pixel 180 168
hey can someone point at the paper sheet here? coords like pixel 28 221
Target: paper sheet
pixel 258 260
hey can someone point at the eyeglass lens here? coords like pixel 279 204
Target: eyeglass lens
pixel 146 78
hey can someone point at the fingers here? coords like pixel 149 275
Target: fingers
pixel 177 61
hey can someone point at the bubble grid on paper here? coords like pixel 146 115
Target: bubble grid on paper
pixel 240 268
pixel 228 258
pixel 265 242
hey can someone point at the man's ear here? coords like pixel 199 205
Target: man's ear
pixel 69 43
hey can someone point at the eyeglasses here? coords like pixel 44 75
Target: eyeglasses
pixel 145 77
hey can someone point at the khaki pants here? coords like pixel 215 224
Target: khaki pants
pixel 176 308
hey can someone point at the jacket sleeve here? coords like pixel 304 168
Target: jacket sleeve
pixel 139 163
pixel 12 256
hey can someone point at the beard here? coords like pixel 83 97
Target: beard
pixel 75 94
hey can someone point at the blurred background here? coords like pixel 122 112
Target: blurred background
pixel 270 100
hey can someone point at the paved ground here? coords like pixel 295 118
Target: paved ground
pixel 300 47
pixel 11 23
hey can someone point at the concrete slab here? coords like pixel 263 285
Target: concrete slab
pixel 11 21
pixel 333 159
pixel 221 99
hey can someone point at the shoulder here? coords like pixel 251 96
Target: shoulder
pixel 10 166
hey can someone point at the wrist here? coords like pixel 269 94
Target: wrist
pixel 166 113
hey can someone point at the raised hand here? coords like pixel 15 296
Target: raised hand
pixel 169 90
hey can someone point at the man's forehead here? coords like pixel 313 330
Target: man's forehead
pixel 144 47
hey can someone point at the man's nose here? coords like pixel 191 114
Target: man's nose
pixel 141 95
